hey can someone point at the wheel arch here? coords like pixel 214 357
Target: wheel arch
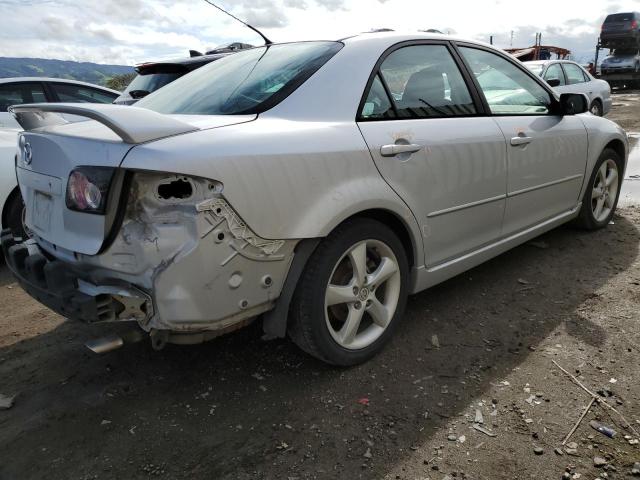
pixel 274 322
pixel 618 146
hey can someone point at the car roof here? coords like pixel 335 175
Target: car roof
pixel 4 81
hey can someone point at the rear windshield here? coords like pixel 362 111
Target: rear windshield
pixel 251 81
pixel 619 17
pixel 151 81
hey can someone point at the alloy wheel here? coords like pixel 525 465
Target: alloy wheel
pixel 362 294
pixel 605 190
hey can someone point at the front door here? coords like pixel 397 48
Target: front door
pixel 448 163
pixel 547 152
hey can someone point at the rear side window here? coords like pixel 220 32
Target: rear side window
pixel 250 81
pixel 377 105
pixel 423 81
pixel 507 89
pixel 80 94
pixel 554 72
pixel 19 93
pixel 574 74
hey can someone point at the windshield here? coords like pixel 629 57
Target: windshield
pixel 535 67
pixel 151 82
pixel 247 82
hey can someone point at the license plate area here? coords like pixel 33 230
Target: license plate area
pixel 42 210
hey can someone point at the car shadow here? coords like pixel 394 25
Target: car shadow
pixel 238 407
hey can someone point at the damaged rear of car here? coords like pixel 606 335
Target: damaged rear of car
pixel 120 237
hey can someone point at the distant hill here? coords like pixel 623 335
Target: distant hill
pixel 42 67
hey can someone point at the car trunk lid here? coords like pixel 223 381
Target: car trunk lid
pixel 51 148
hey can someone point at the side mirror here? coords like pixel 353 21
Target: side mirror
pixel 554 82
pixel 573 103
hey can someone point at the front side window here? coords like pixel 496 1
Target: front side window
pixel 250 81
pixel 554 72
pixel 424 81
pixel 574 73
pixel 20 93
pixel 507 89
pixel 68 92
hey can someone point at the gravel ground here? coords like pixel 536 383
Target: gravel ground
pixel 241 408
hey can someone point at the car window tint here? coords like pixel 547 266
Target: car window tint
pixel 250 81
pixel 574 73
pixel 19 93
pixel 79 94
pixel 377 104
pixel 424 81
pixel 554 72
pixel 508 89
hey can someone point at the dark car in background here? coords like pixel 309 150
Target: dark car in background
pixel 154 75
pixel 621 30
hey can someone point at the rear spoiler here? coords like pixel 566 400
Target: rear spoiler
pixel 132 124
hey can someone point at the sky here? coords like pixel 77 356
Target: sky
pixel 127 32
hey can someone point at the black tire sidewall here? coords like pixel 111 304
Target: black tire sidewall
pixel 587 218
pixel 15 206
pixel 596 103
pixel 324 262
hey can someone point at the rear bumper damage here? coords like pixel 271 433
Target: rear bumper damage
pixel 182 261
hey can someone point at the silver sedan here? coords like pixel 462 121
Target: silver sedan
pixel 314 185
pixel 569 77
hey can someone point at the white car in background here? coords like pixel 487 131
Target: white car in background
pixel 15 91
pixel 569 77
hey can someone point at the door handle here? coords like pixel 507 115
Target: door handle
pixel 398 148
pixel 521 140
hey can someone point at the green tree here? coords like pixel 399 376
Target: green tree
pixel 120 82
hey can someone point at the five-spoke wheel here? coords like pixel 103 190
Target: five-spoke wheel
pixel 601 197
pixel 351 294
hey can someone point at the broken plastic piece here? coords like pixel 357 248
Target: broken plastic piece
pixel 608 431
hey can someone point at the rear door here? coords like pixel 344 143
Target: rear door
pixel 431 143
pixel 547 152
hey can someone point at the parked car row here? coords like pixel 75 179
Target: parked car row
pixel 312 184
pixel 568 77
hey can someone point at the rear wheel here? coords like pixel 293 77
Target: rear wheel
pixel 352 294
pixel 601 197
pixel 15 216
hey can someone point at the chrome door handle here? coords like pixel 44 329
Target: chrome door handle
pixel 398 148
pixel 515 141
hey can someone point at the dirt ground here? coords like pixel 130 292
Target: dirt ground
pixel 241 408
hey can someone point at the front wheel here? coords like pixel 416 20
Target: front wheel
pixel 352 294
pixel 601 197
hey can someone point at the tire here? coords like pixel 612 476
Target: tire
pixel 15 215
pixel 597 211
pixel 596 108
pixel 333 333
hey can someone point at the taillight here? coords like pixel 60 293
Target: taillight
pixel 634 24
pixel 88 189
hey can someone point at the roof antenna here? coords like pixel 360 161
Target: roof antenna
pixel 266 40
